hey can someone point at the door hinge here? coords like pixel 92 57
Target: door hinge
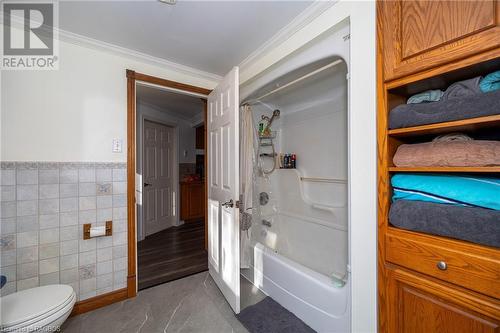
pixel 237 204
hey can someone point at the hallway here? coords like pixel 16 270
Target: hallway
pixel 171 254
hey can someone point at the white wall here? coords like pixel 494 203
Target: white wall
pixel 74 113
pixel 362 138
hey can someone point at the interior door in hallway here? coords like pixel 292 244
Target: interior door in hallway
pixel 158 189
pixel 223 188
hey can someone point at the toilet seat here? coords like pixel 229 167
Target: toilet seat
pixel 37 306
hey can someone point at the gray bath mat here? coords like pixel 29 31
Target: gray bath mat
pixel 267 316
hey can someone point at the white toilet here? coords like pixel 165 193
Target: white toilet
pixel 40 309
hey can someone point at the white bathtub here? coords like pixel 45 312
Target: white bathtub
pixel 309 295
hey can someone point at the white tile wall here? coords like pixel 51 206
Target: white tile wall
pixel 43 207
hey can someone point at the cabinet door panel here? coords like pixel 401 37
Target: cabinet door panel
pixel 419 35
pixel 419 305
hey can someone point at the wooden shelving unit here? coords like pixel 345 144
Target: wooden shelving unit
pixel 415 295
pixel 465 125
pixel 446 169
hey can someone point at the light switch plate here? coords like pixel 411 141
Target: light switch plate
pixel 117 145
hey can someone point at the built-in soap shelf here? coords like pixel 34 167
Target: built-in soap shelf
pixel 100 231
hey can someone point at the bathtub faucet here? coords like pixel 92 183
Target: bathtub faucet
pixel 267 223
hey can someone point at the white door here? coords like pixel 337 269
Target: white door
pixel 158 177
pixel 223 188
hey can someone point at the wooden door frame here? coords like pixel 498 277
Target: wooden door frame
pixel 132 78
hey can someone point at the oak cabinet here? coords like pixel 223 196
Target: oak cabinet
pixel 420 305
pixel 192 200
pixel 418 35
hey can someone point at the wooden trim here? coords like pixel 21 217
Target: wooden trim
pixel 445 169
pixel 132 78
pixel 131 170
pixel 167 83
pixel 205 117
pixel 99 301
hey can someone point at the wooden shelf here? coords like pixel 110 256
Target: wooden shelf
pixel 467 125
pixel 445 169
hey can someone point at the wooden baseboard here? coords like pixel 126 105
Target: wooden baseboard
pixel 99 301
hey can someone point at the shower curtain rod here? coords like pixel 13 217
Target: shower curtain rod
pixel 332 64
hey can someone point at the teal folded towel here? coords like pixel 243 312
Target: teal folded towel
pixel 490 82
pixel 425 96
pixel 463 190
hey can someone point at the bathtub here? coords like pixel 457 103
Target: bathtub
pixel 309 295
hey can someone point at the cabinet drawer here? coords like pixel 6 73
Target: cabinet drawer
pixel 450 261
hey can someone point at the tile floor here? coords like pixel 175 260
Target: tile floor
pixel 191 304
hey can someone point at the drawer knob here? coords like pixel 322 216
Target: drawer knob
pixel 442 265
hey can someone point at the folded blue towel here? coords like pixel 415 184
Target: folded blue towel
pixel 490 82
pixel 426 96
pixel 461 190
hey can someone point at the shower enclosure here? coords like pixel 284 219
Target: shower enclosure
pixel 294 235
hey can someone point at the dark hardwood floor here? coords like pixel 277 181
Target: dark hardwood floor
pixel 172 254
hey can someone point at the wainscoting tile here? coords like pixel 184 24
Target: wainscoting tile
pixel 105 201
pixel 8 209
pixel 119 187
pixel 68 218
pixel 8 193
pixel 87 286
pixel 47 279
pixel 27 223
pixel 68 190
pixel 120 277
pixel 103 291
pixel 120 264
pixel 48 251
pixel 87 244
pixel 27 283
pixel 9 272
pixel 86 175
pixel 49 221
pixel 104 215
pixel 103 242
pixel 49 206
pixel 28 270
pixel 69 275
pixel 104 281
pixel 120 251
pixel 88 295
pixel 49 266
pixel 25 208
pixel 8 226
pixel 119 238
pixel 27 254
pixel 119 175
pixel 87 271
pixel 104 267
pixel 87 216
pixel 68 262
pixel 48 176
pixel 87 258
pixel 120 225
pixel 7 242
pixel 119 213
pixel 48 191
pixel 104 188
pixel 8 288
pixel 27 192
pixel 104 254
pixel 87 203
pixel 69 247
pixel 103 175
pixel 27 177
pixel 8 258
pixel 87 189
pixel 28 238
pixel 7 177
pixel 119 200
pixel 68 176
pixel 48 236
pixel 68 233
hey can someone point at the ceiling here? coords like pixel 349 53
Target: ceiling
pixel 212 36
pixel 179 105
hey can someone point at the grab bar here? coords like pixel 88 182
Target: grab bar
pixel 323 180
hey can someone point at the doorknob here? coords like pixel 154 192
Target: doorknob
pixel 147 184
pixel 228 204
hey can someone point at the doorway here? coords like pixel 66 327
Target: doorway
pixel 170 182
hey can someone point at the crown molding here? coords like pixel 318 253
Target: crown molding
pixel 299 22
pixel 88 42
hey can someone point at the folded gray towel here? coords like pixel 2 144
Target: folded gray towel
pixel 476 225
pixel 463 89
pixel 478 105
